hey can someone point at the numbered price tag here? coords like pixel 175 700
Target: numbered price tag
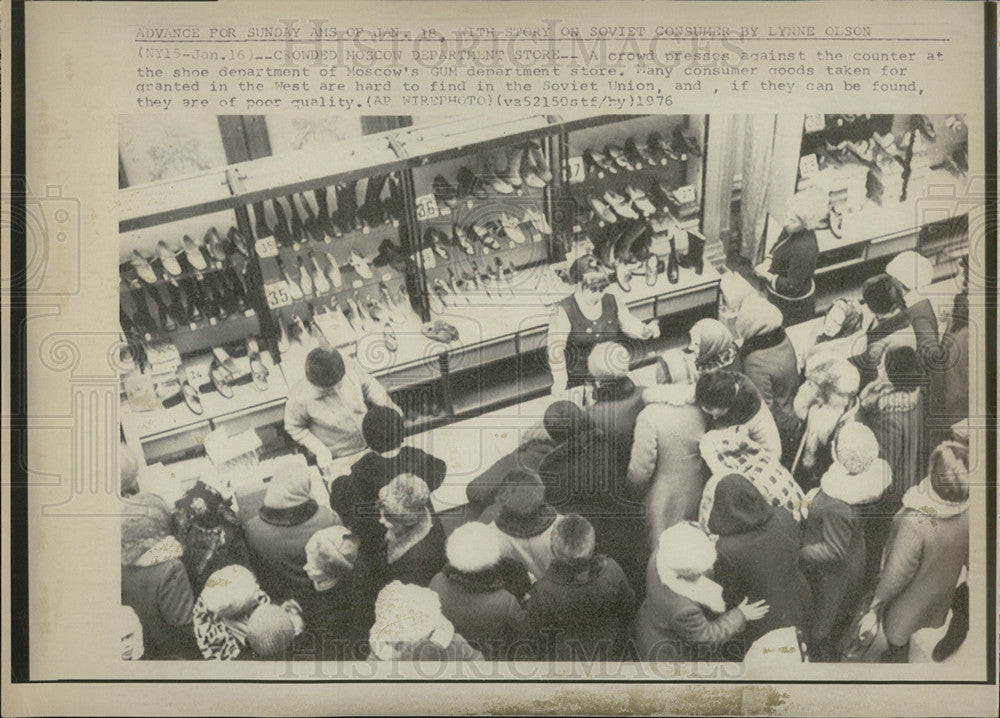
pixel 277 294
pixel 808 166
pixel 576 170
pixel 685 194
pixel 427 207
pixel 267 247
pixel 815 123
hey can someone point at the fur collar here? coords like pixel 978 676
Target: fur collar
pixel 855 489
pixel 292 516
pixel 885 397
pixel 526 526
pixel 167 549
pixel 576 572
pixel 765 340
pixel 485 581
pixel 399 544
pixel 925 499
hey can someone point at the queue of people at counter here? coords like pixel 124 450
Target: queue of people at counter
pixel 755 486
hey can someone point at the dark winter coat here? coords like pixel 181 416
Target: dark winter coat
pixel 277 538
pixel 161 596
pixel 355 495
pixel 758 557
pixel 483 489
pixel 422 561
pixel 673 628
pixel 484 607
pixel 581 612
pixel 793 261
pixel 769 362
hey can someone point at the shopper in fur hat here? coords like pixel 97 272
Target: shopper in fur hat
pixel 758 557
pixel 154 581
pixel 481 591
pixel 271 631
pixel 834 548
pixel 826 401
pixel 331 554
pixel 409 626
pixel 684 615
pixel 415 540
pixel 665 461
pixel 355 495
pixel 769 362
pixel 525 522
pixel 278 535
pixel 210 532
pixel 927 549
pixel 581 609
pixel 220 614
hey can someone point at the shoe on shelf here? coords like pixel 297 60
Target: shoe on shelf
pixel 623 276
pixel 536 218
pixel 142 267
pixel 486 234
pixel 305 279
pixel 538 170
pixel 923 124
pixel 685 141
pixel 283 344
pixel 437 240
pixel 673 265
pixel 294 290
pixel 653 268
pixel 469 185
pixel 515 163
pixel 168 258
pixel 656 143
pixel 511 228
pixel 461 239
pixel 333 271
pixel 444 293
pixel 598 163
pixel 602 210
pixel 221 381
pixel 498 184
pixel 434 302
pixel 360 264
pixel 389 337
pixel 320 281
pixel 238 241
pixel 216 248
pixel 223 359
pixel 618 204
pixel 632 153
pixel 617 155
pixel 445 193
pixel 640 200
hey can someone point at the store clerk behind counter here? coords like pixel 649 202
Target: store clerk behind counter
pixel 584 319
pixel 325 410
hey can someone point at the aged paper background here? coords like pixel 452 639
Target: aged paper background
pixel 81 76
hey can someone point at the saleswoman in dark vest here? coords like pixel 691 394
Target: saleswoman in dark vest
pixel 790 265
pixel 589 316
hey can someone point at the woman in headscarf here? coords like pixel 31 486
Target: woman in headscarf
pixel 769 362
pixel 684 615
pixel 842 331
pixel 713 347
pixel 210 532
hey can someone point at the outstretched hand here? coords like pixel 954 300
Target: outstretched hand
pixel 753 611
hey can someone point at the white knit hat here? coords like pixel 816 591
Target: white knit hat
pixel 913 270
pixel 473 547
pixel 230 590
pixel 684 549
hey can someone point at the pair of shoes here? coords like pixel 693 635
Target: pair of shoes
pixel 511 228
pixel 445 193
pixel 436 240
pixel 694 257
pixel 188 393
pixel 460 239
pixel 440 331
pixel 664 151
pixel 619 206
pixel 390 254
pixel 469 185
pixel 535 168
pixel 617 155
pixel 360 264
pixel 536 218
pixel 598 163
pixel 685 141
pixel 258 372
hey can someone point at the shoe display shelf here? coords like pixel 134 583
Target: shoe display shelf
pixel 894 183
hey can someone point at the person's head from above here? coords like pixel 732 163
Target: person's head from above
pixel 473 547
pixel 883 295
pixel 231 593
pixel 756 316
pixel 270 630
pixel 948 470
pixel 902 368
pixel 855 447
pixel 382 429
pixel 608 364
pixel 330 556
pixel 684 551
pixel 806 210
pixel 843 318
pixel 564 420
pixel 676 366
pixel 589 280
pixel 716 392
pixel 404 502
pixel 146 521
pixel 522 494
pixel 324 368
pixel 830 381
pixel 911 270
pixel 128 466
pixel 708 339
pixel 737 506
pixel 406 616
pixel 573 539
pixel 290 486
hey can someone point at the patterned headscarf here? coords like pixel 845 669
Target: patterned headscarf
pixel 713 345
pixel 851 323
pixel 202 515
